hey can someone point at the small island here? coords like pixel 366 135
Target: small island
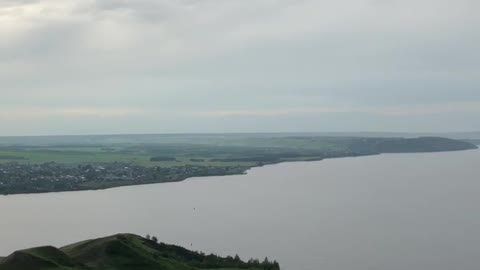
pixel 126 252
pixel 74 163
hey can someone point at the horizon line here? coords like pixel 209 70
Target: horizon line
pixel 239 133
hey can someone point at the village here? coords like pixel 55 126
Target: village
pixel 49 177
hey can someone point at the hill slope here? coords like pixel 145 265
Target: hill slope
pixel 122 252
pixel 409 145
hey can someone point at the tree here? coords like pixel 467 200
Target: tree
pixel 155 239
pixel 148 237
pixel 276 266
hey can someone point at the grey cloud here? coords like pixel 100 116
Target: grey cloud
pixel 191 56
pixel 16 3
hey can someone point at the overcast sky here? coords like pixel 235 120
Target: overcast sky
pixel 157 66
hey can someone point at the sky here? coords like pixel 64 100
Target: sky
pixel 174 66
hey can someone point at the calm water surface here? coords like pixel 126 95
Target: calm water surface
pixel 387 212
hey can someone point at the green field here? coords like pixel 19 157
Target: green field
pixel 125 154
pixel 214 150
pixel 210 149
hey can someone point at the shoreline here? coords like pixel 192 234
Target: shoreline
pixel 244 172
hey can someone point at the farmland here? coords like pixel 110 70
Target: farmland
pixel 66 163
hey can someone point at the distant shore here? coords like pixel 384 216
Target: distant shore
pixel 239 170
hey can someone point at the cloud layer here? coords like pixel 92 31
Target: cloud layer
pixel 115 66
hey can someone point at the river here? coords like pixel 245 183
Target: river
pixel 395 212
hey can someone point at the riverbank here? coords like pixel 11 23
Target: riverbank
pixel 44 169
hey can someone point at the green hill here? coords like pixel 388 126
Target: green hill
pixel 123 251
pixel 409 145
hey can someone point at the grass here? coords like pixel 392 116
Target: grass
pixel 79 155
pixel 117 252
pixel 72 157
pixel 183 152
pixel 240 150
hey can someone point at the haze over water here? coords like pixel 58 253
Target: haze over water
pixel 395 212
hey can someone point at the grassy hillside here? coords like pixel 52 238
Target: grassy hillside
pixel 122 252
pixel 410 145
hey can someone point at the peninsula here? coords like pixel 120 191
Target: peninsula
pixel 72 163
